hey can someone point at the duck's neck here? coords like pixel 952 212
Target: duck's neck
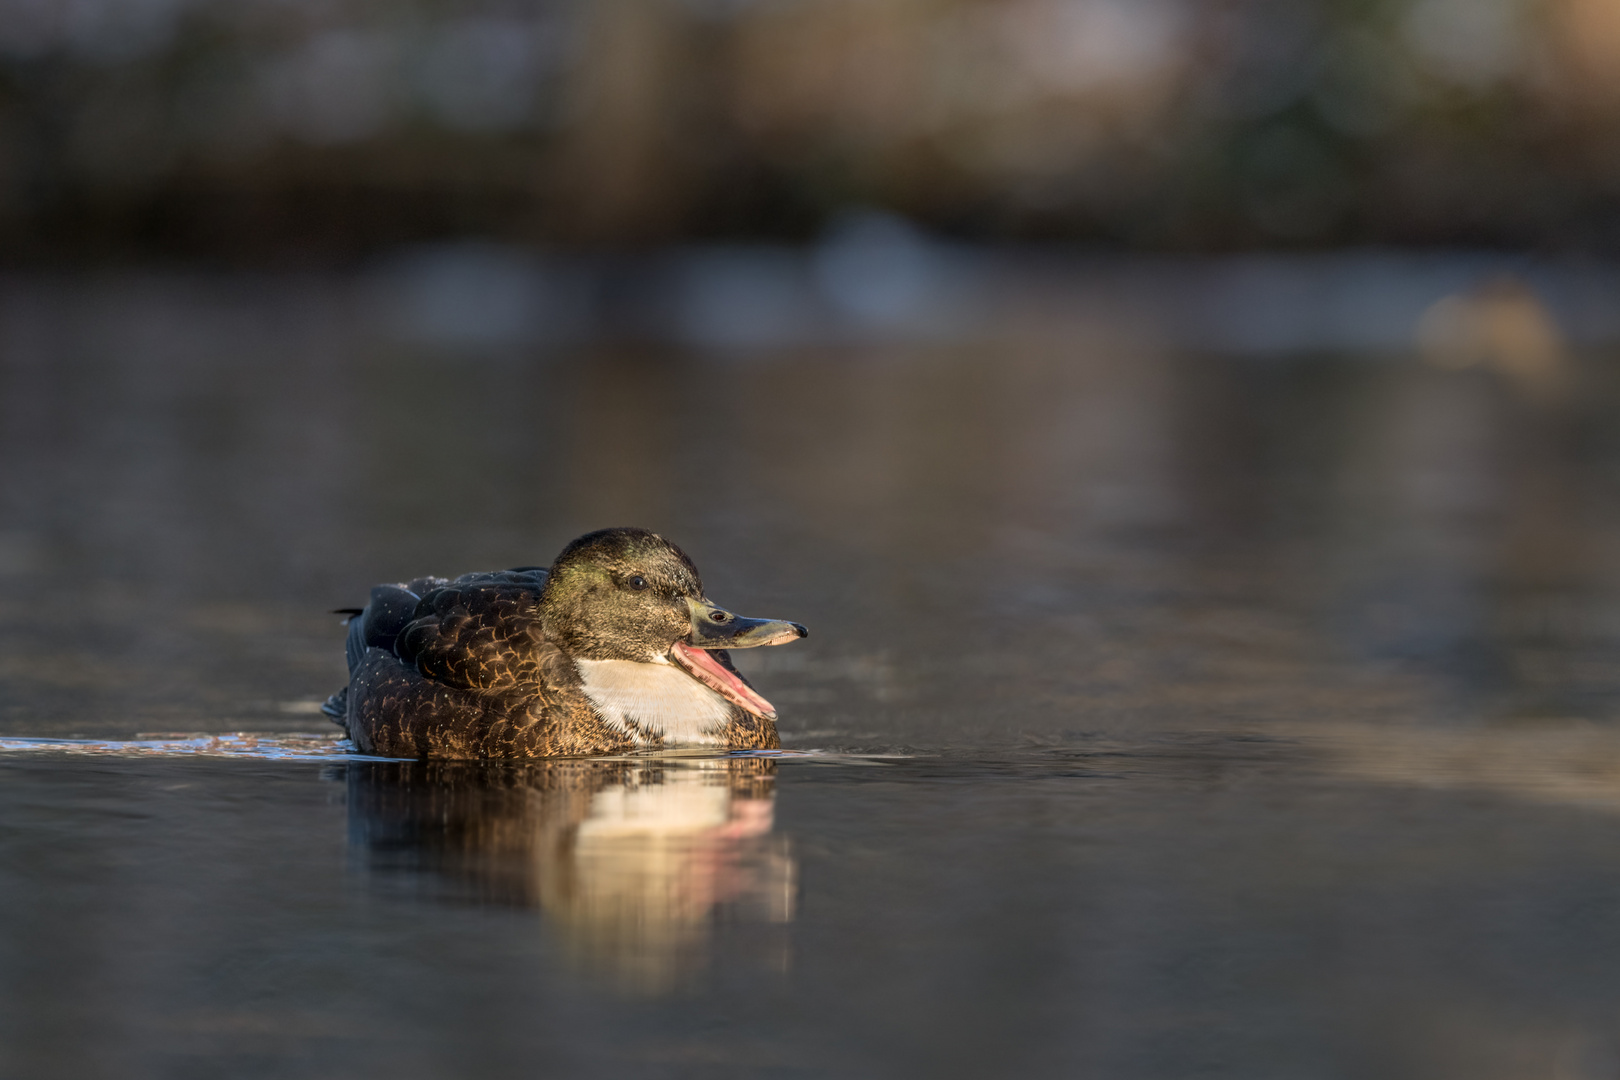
pixel 654 701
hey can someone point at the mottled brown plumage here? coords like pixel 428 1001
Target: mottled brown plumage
pixel 487 665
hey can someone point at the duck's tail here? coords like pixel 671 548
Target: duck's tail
pixel 336 708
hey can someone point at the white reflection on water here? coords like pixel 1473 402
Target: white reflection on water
pixel 632 862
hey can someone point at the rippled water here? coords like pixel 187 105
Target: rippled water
pixel 1165 711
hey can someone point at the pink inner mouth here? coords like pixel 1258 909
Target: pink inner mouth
pixel 707 670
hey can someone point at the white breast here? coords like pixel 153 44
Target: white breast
pixel 655 699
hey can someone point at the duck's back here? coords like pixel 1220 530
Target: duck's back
pixel 461 668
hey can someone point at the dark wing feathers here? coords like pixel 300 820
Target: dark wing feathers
pixel 423 605
pixel 480 632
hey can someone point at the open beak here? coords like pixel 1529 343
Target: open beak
pixel 716 628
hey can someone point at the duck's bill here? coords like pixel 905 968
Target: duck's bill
pixel 714 627
pixel 708 670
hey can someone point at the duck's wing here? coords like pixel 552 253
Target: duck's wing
pixel 480 632
pixel 392 608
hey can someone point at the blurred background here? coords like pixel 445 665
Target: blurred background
pixel 297 295
pixel 238 129
pixel 1318 296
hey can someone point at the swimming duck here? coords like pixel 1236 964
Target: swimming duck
pixel 613 648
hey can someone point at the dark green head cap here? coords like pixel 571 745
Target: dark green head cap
pixel 630 551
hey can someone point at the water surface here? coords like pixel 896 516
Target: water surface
pixel 1176 711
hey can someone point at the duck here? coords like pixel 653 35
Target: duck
pixel 614 648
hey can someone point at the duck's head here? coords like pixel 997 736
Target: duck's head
pixel 629 594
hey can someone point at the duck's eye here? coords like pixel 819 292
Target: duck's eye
pixel 638 583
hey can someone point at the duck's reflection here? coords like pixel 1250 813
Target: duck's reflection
pixel 632 862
